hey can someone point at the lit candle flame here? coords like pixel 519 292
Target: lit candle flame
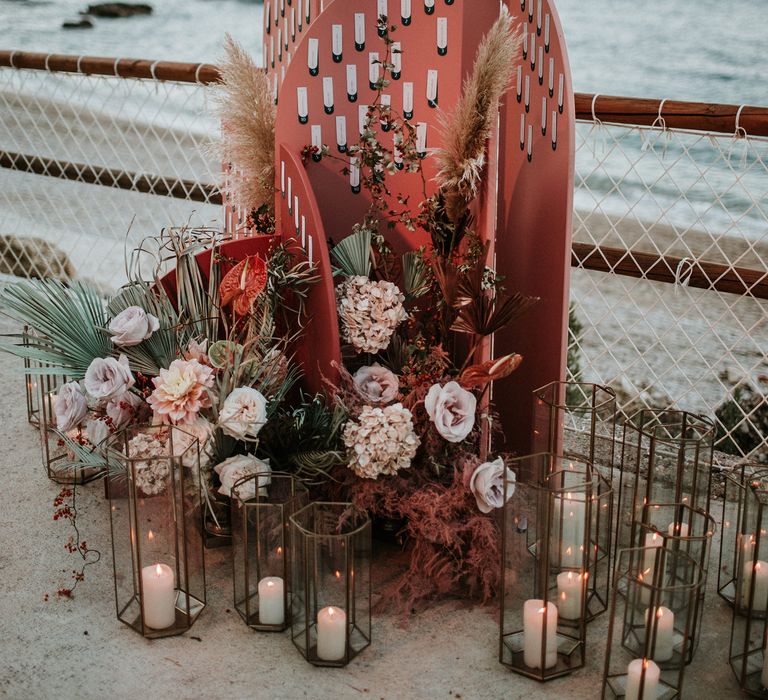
pixel 279 551
pixel 270 584
pixel 338 574
pixel 542 610
pixel 150 535
pixel 158 570
pixel 331 612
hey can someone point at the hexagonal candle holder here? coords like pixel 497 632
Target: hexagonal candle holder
pixel 650 623
pixel 549 556
pixel 155 515
pixel 262 505
pixel 331 565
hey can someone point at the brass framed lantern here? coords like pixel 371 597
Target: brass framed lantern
pixel 548 560
pixel 577 419
pixel 738 535
pixel 155 515
pixel 749 587
pixel 331 582
pixel 262 505
pixel 31 380
pixel 650 623
pixel 666 457
pixel 679 528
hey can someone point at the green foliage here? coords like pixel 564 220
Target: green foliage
pixel 306 439
pixel 69 322
pixel 416 277
pixel 737 434
pixel 573 361
pixel 352 255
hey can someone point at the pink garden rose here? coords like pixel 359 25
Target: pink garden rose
pixel 181 391
pixel 107 377
pixel 132 326
pixel 452 410
pixel 487 484
pixel 376 384
pixel 122 409
pixel 70 407
pixel 238 467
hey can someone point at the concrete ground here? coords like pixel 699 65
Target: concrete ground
pixel 77 648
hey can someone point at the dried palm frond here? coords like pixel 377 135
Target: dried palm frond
pixel 69 322
pixel 416 277
pixel 247 111
pixel 465 130
pixel 352 254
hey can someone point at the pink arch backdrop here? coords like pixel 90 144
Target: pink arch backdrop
pixel 321 59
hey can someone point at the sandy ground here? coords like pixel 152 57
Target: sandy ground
pixel 78 649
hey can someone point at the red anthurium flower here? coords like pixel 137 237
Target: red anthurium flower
pixel 243 283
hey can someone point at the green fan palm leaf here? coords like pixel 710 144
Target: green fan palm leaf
pixel 68 322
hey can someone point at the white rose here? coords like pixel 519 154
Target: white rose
pixel 235 468
pixel 452 410
pixel 96 431
pixel 132 326
pixel 122 409
pixel 487 484
pixel 244 413
pixel 376 383
pixel 107 377
pixel 70 407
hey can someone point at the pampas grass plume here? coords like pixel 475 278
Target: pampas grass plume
pixel 461 159
pixel 247 111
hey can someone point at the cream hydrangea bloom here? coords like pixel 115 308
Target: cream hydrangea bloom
pixel 370 312
pixel 381 441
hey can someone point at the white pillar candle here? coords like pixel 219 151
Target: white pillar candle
pixel 569 526
pixel 635 672
pixel 331 634
pixel 271 601
pixel 760 598
pixel 570 595
pixel 158 602
pixel 678 529
pixel 652 540
pixel 665 628
pixel 538 621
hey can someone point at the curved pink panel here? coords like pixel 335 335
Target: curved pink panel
pixel 327 88
pixel 533 241
pixel 302 227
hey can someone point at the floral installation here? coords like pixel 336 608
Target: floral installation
pixel 416 332
pixel 210 353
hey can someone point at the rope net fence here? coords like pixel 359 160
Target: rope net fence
pixel 60 132
pixel 670 231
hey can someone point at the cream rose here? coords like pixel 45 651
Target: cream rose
pixel 96 431
pixel 376 384
pixel 452 410
pixel 487 484
pixel 122 409
pixel 107 377
pixel 133 326
pixel 244 413
pixel 70 407
pixel 235 468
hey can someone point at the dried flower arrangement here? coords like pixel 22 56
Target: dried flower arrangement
pixel 415 381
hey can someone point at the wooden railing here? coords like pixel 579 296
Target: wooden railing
pixel 694 116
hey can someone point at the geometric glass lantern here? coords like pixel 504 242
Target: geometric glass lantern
pixel 156 519
pixel 548 560
pixel 748 654
pixel 678 528
pixel 666 457
pixel 576 418
pixel 331 582
pixel 261 507
pixel 649 625
pixel 56 456
pixel 738 535
pixel 30 384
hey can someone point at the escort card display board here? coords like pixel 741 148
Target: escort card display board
pixel 326 61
